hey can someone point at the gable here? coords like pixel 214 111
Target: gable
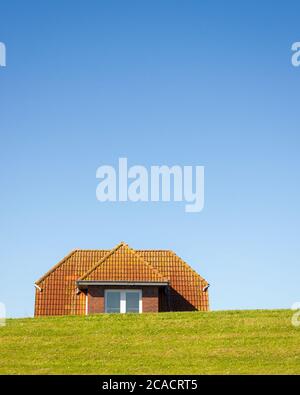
pixel 123 264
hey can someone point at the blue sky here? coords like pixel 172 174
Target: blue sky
pixel 159 82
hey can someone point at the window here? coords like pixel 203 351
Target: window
pixel 123 301
pixel 113 302
pixel 132 302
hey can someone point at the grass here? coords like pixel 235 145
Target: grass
pixel 227 342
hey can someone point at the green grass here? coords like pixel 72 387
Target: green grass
pixel 227 342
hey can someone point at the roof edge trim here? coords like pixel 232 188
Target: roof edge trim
pixel 41 279
pixel 141 283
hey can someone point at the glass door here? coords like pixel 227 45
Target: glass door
pixel 132 301
pixel 123 301
pixel 113 301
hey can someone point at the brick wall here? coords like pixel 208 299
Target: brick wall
pixel 150 297
pixel 96 300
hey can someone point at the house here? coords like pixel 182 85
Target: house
pixel 120 280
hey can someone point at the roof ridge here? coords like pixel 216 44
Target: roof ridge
pixel 110 252
pixel 153 250
pixel 41 279
pixel 108 249
pixel 92 250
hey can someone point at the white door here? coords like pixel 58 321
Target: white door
pixel 123 301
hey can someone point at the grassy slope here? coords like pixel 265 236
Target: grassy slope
pixel 218 342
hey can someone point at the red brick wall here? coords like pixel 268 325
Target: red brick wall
pixel 150 297
pixel 95 300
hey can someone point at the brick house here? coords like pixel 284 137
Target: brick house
pixel 118 281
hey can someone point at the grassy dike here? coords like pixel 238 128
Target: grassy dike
pixel 225 342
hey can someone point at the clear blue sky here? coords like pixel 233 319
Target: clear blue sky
pixel 160 82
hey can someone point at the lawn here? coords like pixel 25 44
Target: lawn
pixel 225 342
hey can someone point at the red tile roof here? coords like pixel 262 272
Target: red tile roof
pixel 59 296
pixel 123 264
